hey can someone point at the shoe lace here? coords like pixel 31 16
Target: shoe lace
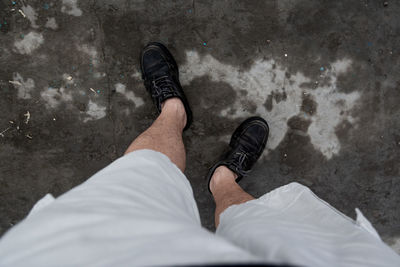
pixel 239 158
pixel 162 86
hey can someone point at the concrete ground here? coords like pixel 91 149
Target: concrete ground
pixel 324 74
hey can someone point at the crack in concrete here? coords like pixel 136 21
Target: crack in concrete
pixel 109 85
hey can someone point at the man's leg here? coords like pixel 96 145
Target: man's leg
pixel 165 135
pixel 289 224
pixel 246 146
pixel 226 191
pixel 139 206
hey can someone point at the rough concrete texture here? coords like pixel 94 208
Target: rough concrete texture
pixel 323 73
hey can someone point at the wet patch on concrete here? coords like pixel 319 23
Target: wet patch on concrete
pixel 24 87
pixel 29 43
pixel 51 24
pixel 277 100
pixel 129 95
pixel 70 7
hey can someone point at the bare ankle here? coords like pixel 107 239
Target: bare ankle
pixel 222 176
pixel 175 106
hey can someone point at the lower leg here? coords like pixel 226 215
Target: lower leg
pixel 226 191
pixel 165 134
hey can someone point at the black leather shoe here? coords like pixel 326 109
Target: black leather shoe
pixel 246 146
pixel 161 77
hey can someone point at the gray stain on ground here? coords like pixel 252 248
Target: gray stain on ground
pixel 64 152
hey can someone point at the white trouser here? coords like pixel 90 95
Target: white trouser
pixel 140 210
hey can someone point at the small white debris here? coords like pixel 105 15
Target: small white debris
pixel 94 91
pixel 12 122
pixel 28 136
pixel 285 55
pixel 31 15
pixel 22 13
pixel 54 119
pixel 68 78
pixel 15 83
pixel 285 155
pixel 2 133
pixel 28 117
